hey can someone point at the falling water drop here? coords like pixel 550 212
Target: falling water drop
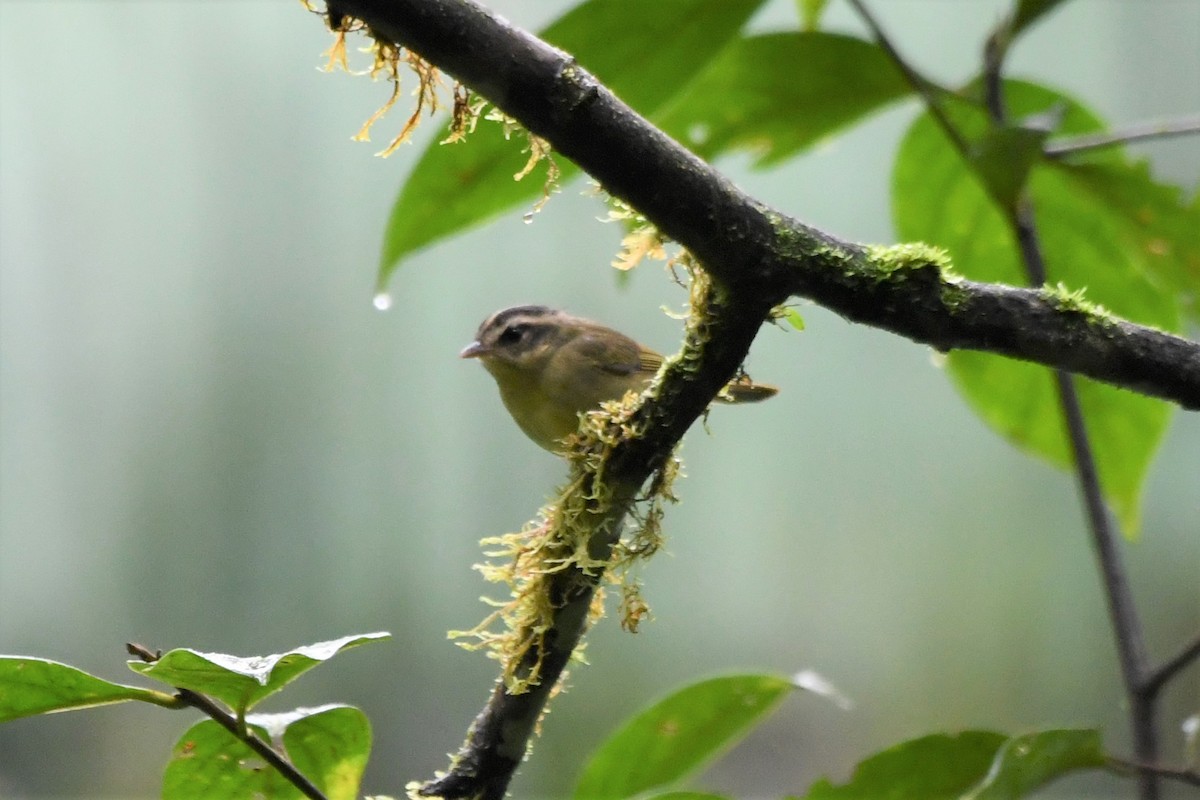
pixel 382 301
pixel 528 218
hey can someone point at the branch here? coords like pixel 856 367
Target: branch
pixel 1181 774
pixel 1154 682
pixel 757 257
pixel 747 246
pixel 498 738
pixel 213 711
pixel 1151 130
pixel 924 88
pixel 1127 627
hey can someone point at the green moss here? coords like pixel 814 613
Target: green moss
pixel 796 241
pixel 876 263
pixel 1074 301
pixel 953 296
pixel 891 261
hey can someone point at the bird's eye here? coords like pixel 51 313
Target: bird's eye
pixel 512 334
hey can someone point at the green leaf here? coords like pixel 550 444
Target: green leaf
pixel 678 735
pixel 332 748
pixel 328 745
pixel 209 762
pixel 687 796
pixel 1026 762
pixel 1019 401
pixel 643 51
pixel 817 84
pixel 31 686
pixel 1003 159
pixel 793 318
pixel 1153 216
pixel 935 767
pixel 240 681
pixel 979 765
pixel 1086 244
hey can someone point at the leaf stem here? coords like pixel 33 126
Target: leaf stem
pixel 213 711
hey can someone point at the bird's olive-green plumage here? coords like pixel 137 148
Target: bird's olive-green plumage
pixel 551 367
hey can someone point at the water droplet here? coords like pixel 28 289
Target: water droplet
pixel 382 301
pixel 528 218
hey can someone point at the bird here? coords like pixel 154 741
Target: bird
pixel 551 367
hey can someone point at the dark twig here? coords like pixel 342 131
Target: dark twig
pixel 1127 628
pixel 211 709
pixel 1142 690
pixel 1182 774
pixel 925 89
pixel 1122 611
pixel 1151 130
pixel 1154 681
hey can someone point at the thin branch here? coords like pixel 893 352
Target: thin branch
pixel 924 88
pixel 219 715
pixel 1187 126
pixel 1154 681
pixel 1127 627
pixel 1122 610
pixel 994 51
pixel 1182 774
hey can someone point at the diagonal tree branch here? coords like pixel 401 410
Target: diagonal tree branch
pixel 752 248
pixel 758 257
pixel 498 738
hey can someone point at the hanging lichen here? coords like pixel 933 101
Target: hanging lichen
pixel 558 543
pixel 388 61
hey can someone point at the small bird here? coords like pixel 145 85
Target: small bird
pixel 551 367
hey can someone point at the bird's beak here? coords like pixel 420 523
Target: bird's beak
pixel 473 350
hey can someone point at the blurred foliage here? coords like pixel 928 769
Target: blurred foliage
pixel 644 52
pixel 1087 245
pixel 329 744
pixel 678 735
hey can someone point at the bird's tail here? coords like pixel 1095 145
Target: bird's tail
pixel 743 390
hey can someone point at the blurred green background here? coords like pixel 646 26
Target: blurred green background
pixel 209 438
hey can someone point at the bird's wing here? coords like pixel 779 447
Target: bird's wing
pixel 617 354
